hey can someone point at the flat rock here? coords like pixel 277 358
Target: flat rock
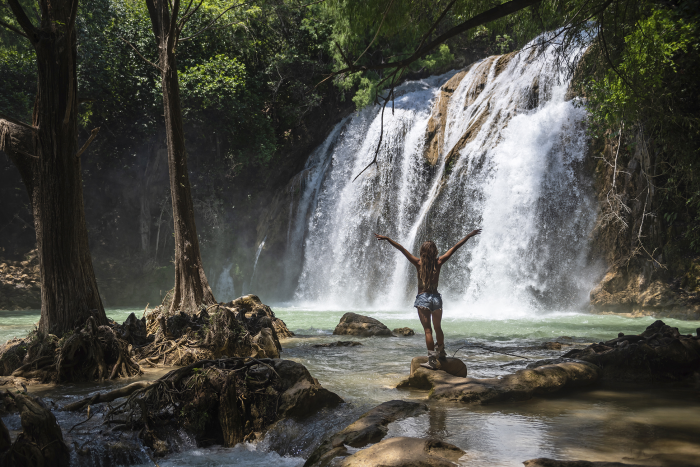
pixel 371 427
pixel 520 385
pixel 453 366
pixel 405 332
pixel 352 324
pixel 406 452
pixel 339 344
pixel 544 462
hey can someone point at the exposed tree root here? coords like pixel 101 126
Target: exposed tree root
pixel 108 396
pixel 91 353
pixel 243 327
pixel 223 401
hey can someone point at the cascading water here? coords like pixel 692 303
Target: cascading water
pixel 497 147
pixel 224 285
pixel 257 257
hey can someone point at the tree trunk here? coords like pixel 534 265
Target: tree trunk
pixel 191 286
pixel 52 174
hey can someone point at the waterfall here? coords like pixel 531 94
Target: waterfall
pixel 255 263
pixel 224 285
pixel 496 146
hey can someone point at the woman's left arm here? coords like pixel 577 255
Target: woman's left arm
pixel 451 251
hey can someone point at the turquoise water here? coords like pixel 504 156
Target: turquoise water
pixel 643 424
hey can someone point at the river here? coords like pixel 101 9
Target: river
pixel 632 423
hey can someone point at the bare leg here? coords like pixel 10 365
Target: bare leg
pixel 424 316
pixel 437 320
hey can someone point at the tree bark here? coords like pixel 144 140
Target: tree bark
pixel 191 286
pixel 52 172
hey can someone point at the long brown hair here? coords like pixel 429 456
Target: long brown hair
pixel 428 262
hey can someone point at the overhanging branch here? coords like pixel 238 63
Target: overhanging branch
pixel 93 135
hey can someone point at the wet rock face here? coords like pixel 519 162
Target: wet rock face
pixel 371 427
pixel 352 324
pixel 406 452
pixel 405 332
pixel 41 441
pixel 659 353
pixel 20 283
pixel 521 385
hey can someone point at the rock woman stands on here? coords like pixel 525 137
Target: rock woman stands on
pixel 429 301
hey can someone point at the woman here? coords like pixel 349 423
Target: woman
pixel 428 301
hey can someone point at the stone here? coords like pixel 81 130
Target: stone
pixel 352 324
pixel 371 427
pixel 544 462
pixel 406 452
pixel 521 385
pixel 659 353
pixel 551 346
pixel 405 332
pixel 303 395
pixel 338 344
pixel 453 366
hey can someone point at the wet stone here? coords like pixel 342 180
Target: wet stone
pixel 352 324
pixel 338 344
pixel 405 332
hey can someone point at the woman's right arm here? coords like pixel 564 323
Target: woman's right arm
pixel 398 246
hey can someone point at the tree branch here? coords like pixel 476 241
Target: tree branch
pixel 73 15
pixel 13 29
pixel 379 28
pixel 212 22
pixel 486 17
pixel 139 54
pixel 23 20
pixel 93 135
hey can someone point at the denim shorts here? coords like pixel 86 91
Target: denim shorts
pixel 431 301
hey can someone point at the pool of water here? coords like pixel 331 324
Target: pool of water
pixel 648 424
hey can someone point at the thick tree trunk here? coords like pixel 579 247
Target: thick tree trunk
pixel 191 286
pixel 52 175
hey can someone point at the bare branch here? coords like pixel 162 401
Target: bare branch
pixel 13 29
pixel 342 54
pixel 205 28
pixel 93 135
pixel 493 14
pixel 435 24
pixel 187 15
pixel 139 54
pixel 23 20
pixel 379 28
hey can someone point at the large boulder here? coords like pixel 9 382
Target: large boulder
pixel 352 324
pixel 371 427
pixel 453 366
pixel 658 353
pixel 521 385
pixel 41 441
pixel 303 395
pixel 406 452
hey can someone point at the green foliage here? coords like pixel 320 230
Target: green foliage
pixel 18 71
pixel 648 85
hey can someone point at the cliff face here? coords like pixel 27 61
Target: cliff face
pixel 20 286
pixel 647 274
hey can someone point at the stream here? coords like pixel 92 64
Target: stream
pixel 659 424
